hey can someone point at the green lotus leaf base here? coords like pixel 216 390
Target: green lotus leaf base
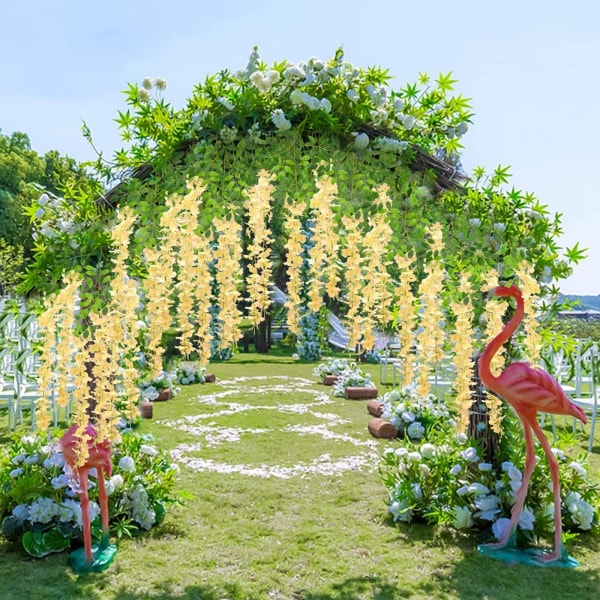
pixel 103 557
pixel 528 556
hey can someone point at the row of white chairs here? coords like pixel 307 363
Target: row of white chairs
pixel 19 392
pixel 579 376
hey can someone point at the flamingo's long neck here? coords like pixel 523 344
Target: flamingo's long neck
pixel 485 372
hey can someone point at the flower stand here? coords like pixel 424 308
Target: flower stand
pixel 330 379
pixel 360 393
pixel 146 410
pixel 375 408
pixel 163 395
pixel 382 429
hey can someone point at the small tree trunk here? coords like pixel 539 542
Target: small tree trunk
pixel 262 335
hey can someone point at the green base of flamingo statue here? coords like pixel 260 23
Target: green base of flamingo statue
pixel 528 391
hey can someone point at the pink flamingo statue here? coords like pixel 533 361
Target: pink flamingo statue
pixel 528 391
pixel 99 457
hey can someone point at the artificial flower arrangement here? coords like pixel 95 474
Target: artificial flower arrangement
pixel 352 376
pixel 189 374
pixel 39 504
pixel 150 389
pixel 447 481
pixel 413 415
pixel 332 366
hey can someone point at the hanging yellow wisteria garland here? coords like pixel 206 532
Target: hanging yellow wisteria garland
pixel 493 318
pixel 351 252
pixel 431 339
pixel 530 289
pixel 259 280
pixel 405 309
pixel 227 256
pixel 294 260
pixel 461 340
pixel 323 271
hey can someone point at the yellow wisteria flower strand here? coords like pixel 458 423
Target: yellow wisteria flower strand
pixel 376 295
pixel 351 252
pixel 227 255
pixel 56 330
pixel 493 318
pixel 124 306
pixel 294 248
pixel 462 341
pixel 405 309
pixel 188 264
pixel 530 289
pixel 203 297
pixel 431 339
pixel 323 271
pixel 259 280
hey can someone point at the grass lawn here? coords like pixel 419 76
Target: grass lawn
pixel 286 505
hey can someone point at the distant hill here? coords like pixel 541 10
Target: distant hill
pixel 585 302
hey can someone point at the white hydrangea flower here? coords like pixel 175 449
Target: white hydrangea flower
pixel 398 104
pixel 117 481
pixel 21 511
pixel 470 454
pixel 325 105
pixel 272 76
pixel 500 527
pixel 43 510
pixel 259 81
pixel 527 519
pixel 414 456
pixel 127 464
pixel 148 450
pixel 353 95
pixel 279 120
pixel 415 431
pixel 361 141
pixel 574 465
pixel 409 121
pixel 478 488
pixel 427 450
pixel 294 72
pixel 226 103
pixel 400 511
pixel 488 507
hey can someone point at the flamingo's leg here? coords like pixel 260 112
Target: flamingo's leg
pixel 517 508
pixel 559 550
pixel 102 496
pixel 85 514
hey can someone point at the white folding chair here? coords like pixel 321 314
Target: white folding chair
pixel 586 386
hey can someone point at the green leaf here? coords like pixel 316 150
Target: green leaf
pixel 41 543
pixel 576 254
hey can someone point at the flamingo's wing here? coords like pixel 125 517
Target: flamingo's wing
pixel 530 387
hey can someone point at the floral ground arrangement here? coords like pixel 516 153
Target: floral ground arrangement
pixel 286 501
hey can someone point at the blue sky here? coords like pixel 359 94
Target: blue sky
pixel 530 67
